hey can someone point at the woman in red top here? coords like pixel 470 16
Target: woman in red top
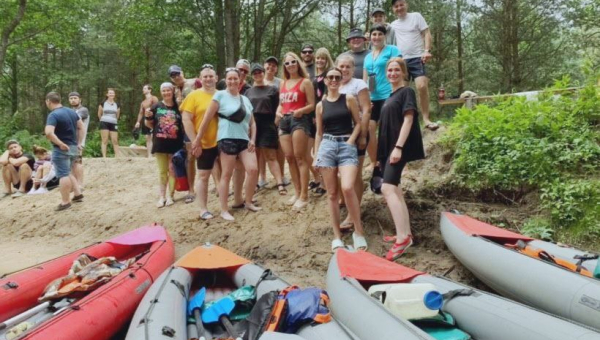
pixel 296 102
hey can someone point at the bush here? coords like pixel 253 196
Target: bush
pixel 550 144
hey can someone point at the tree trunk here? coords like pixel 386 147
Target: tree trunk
pixel 368 22
pixel 220 36
pixel 459 43
pixel 9 29
pixel 339 26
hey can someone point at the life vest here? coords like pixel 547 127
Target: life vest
pixel 296 307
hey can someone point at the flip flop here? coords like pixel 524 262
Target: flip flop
pixel 346 226
pixel 337 243
pixel 190 198
pixel 282 190
pixel 360 243
pixel 207 215
pixel 320 191
pixel 432 126
pixel 238 206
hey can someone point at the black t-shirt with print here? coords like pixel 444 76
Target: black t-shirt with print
pixel 167 135
pixel 392 118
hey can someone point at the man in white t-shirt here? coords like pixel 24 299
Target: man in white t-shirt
pixel 414 40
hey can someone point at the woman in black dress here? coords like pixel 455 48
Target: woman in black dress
pixel 399 142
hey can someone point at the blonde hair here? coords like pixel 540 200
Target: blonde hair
pixel 324 53
pixel 301 67
pixel 400 62
pixel 38 150
pixel 344 57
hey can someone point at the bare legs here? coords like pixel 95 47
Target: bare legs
pixel 422 84
pixel 68 184
pixel 114 138
pixel 149 145
pixel 228 163
pixel 372 146
pixel 348 175
pixel 397 205
pixel 11 176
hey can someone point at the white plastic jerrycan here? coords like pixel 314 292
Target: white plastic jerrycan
pixel 409 301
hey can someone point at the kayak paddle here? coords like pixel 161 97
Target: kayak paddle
pixel 219 311
pixel 194 308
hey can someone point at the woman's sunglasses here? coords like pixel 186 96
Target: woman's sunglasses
pixel 334 78
pixel 291 62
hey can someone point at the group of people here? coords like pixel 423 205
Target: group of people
pixel 322 117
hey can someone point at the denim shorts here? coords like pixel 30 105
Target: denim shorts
pixel 63 160
pixel 415 68
pixel 289 124
pixel 336 153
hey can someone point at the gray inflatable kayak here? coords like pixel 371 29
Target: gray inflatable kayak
pixel 162 312
pixel 480 314
pixel 534 272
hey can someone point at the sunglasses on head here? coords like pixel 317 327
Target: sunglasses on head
pixel 291 62
pixel 208 66
pixel 307 52
pixel 229 69
pixel 334 78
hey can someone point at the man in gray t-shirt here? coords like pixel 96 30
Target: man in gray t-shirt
pixel 356 41
pixel 84 114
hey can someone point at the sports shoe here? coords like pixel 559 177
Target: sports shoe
pixel 18 194
pixel 398 249
pixel 42 190
pixel 169 201
pixel 160 203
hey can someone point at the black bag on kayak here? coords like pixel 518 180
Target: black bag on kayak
pixel 260 316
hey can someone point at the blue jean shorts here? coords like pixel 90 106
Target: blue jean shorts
pixel 63 160
pixel 415 68
pixel 336 153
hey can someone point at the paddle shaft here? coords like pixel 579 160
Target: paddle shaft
pixel 199 325
pixel 228 326
pixel 24 316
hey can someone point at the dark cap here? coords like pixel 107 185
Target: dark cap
pixel 74 94
pixel 257 67
pixel 355 33
pixel 307 46
pixel 272 59
pixel 377 10
pixel 174 69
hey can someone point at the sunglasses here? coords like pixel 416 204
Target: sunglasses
pixel 334 78
pixel 174 74
pixel 229 69
pixel 291 62
pixel 243 70
pixel 208 66
pixel 307 52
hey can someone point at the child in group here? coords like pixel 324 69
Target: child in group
pixel 43 172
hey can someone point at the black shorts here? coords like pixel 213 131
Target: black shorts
pixel 206 161
pixel 363 151
pixel 266 133
pixel 289 124
pixel 232 147
pixel 109 126
pixel 146 130
pixel 376 111
pixel 415 68
pixel 392 173
pixel 28 185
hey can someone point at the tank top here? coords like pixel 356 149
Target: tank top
pixel 109 112
pixel 293 99
pixel 337 118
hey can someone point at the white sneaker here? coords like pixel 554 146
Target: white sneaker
pixel 33 191
pixel 42 190
pixel 160 203
pixel 169 201
pixel 292 200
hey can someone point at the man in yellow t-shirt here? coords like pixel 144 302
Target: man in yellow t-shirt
pixel 194 107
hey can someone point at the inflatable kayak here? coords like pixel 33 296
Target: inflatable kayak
pixel 218 272
pixel 540 274
pixel 466 313
pixel 98 314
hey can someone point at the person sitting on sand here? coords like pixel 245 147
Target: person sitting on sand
pixel 43 173
pixel 16 169
pixel 164 119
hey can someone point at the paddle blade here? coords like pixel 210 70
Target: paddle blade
pixel 197 301
pixel 218 309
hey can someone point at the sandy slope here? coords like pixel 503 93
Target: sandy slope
pixel 120 195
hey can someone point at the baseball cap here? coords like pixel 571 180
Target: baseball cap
pixel 355 33
pixel 377 10
pixel 257 67
pixel 74 94
pixel 307 46
pixel 273 59
pixel 174 69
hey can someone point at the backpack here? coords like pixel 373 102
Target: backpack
pixel 297 307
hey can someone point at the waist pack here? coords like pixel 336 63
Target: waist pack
pixel 238 116
pixel 296 307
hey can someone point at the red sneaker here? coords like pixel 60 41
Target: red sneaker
pixel 398 249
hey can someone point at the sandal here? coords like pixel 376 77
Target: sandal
pixel 238 206
pixel 190 198
pixel 432 126
pixel 160 203
pixel 398 249
pixel 62 207
pixel 320 191
pixel 391 238
pixel 282 190
pixel 313 185
pixel 346 226
pixel 337 243
pixel 360 243
pixel 207 215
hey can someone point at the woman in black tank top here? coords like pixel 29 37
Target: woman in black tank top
pixel 338 127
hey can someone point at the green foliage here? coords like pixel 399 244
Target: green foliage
pixel 538 228
pixel 550 144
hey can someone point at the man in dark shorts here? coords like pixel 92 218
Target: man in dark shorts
pixel 147 103
pixel 16 169
pixel 356 42
pixel 84 114
pixel 308 57
pixel 64 129
pixel 183 87
pixel 193 108
pixel 413 38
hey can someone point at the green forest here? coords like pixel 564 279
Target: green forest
pixel 512 147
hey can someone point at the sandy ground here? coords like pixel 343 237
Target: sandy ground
pixel 120 195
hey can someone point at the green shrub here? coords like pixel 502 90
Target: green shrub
pixel 550 144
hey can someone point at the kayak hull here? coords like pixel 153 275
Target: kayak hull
pixel 519 277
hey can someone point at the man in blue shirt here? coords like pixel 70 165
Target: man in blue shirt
pixel 64 129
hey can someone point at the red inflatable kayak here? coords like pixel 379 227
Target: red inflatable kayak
pixel 102 312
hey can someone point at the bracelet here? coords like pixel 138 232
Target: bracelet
pixel 398 147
